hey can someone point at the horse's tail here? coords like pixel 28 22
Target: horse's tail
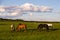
pixel 25 27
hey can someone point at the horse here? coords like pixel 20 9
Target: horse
pixel 12 27
pixel 41 26
pixel 21 26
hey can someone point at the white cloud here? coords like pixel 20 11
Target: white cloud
pixel 9 14
pixel 30 14
pixel 45 8
pixel 2 9
pixel 26 7
pixel 13 14
pixel 17 10
pixel 32 7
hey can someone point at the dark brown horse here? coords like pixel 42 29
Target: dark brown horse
pixel 41 26
pixel 21 26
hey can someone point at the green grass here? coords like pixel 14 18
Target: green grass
pixel 31 33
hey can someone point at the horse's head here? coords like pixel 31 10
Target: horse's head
pixel 20 23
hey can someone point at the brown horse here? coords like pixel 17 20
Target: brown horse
pixel 21 26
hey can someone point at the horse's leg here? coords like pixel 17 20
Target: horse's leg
pixel 47 28
pixel 18 29
pixel 25 28
pixel 14 29
pixel 40 28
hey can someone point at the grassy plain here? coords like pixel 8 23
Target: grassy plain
pixel 31 34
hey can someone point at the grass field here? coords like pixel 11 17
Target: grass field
pixel 31 34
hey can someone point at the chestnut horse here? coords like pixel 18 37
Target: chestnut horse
pixel 21 26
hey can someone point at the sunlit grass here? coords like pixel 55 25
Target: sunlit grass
pixel 30 34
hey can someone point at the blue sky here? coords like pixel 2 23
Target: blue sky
pixel 55 4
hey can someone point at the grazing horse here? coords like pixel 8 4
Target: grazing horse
pixel 41 26
pixel 21 26
pixel 12 28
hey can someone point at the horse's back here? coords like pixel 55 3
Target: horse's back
pixel 22 26
pixel 43 25
pixel 49 24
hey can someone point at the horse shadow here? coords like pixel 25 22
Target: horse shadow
pixel 54 29
pixel 32 29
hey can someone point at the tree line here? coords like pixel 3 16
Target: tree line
pixel 2 19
